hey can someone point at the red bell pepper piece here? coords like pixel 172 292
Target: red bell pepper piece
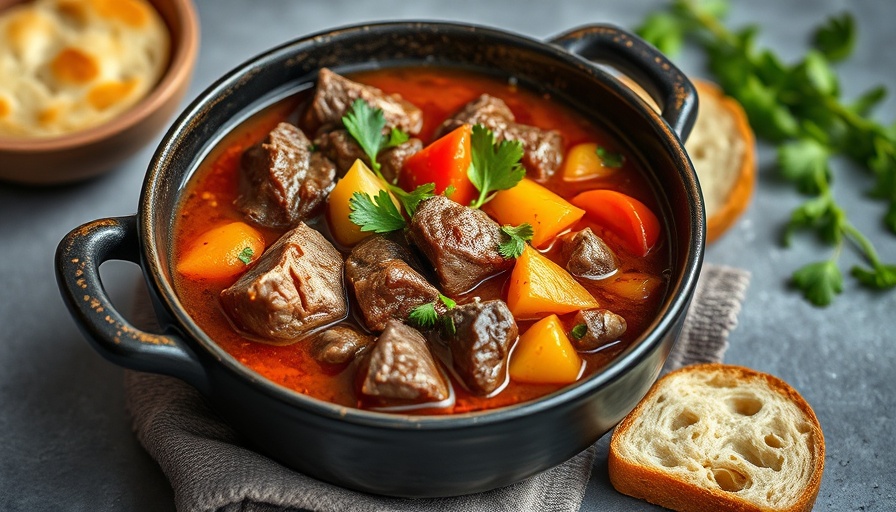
pixel 444 162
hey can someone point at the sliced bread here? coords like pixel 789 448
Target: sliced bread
pixel 722 148
pixel 716 437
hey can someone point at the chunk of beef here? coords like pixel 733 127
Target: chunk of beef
pixel 543 149
pixel 334 95
pixel 460 242
pixel 603 326
pixel 587 255
pixel 339 344
pixel 376 249
pixel 391 289
pixel 480 344
pixel 386 285
pixel 293 288
pixel 283 182
pixel 342 149
pixel 402 367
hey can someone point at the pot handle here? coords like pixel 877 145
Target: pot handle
pixel 78 259
pixel 628 53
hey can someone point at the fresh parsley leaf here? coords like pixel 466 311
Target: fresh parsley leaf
pixel 396 138
pixel 871 98
pixel 410 200
pixel 890 217
pixel 612 159
pixel 494 166
pixel 449 191
pixel 424 315
pixel 514 245
pixel 820 74
pixel 768 115
pixel 836 38
pixel 819 282
pixel 804 162
pixel 378 214
pixel 881 276
pixel 579 331
pixel 663 31
pixel 246 255
pixel 447 301
pixel 366 124
pixel 798 106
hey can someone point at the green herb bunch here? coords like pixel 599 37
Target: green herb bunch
pixel 798 107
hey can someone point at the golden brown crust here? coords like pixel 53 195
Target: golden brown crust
pixel 723 151
pixel 739 196
pixel 69 65
pixel 665 489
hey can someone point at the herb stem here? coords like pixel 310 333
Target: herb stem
pixel 862 241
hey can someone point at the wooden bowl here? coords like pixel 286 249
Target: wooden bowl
pixel 93 151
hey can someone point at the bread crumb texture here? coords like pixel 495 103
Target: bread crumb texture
pixel 68 65
pixel 743 436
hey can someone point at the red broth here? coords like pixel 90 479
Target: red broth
pixel 635 292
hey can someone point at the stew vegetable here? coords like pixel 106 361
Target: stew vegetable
pixel 421 239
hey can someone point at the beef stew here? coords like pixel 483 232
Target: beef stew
pixel 448 259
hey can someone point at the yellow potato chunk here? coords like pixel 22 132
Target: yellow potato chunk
pixel 539 286
pixel 544 355
pixel 359 178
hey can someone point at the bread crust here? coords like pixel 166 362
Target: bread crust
pixel 653 484
pixel 722 147
pixel 739 195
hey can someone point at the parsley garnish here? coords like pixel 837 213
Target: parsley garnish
pixel 410 200
pixel 396 138
pixel 609 158
pixel 799 107
pixel 819 281
pixel 366 125
pixel 494 166
pixel 377 214
pixel 246 255
pixel 579 331
pixel 516 241
pixel 425 315
pixel 449 191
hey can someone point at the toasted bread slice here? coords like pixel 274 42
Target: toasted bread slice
pixel 722 148
pixel 716 437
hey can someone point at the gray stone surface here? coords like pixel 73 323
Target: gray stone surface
pixel 65 440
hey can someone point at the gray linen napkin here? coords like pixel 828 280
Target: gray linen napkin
pixel 210 469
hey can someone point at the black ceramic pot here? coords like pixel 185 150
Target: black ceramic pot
pixel 391 454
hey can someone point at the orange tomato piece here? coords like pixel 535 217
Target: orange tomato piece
pixel 544 355
pixel 539 286
pixel 547 213
pixel 631 220
pixel 445 163
pixel 223 251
